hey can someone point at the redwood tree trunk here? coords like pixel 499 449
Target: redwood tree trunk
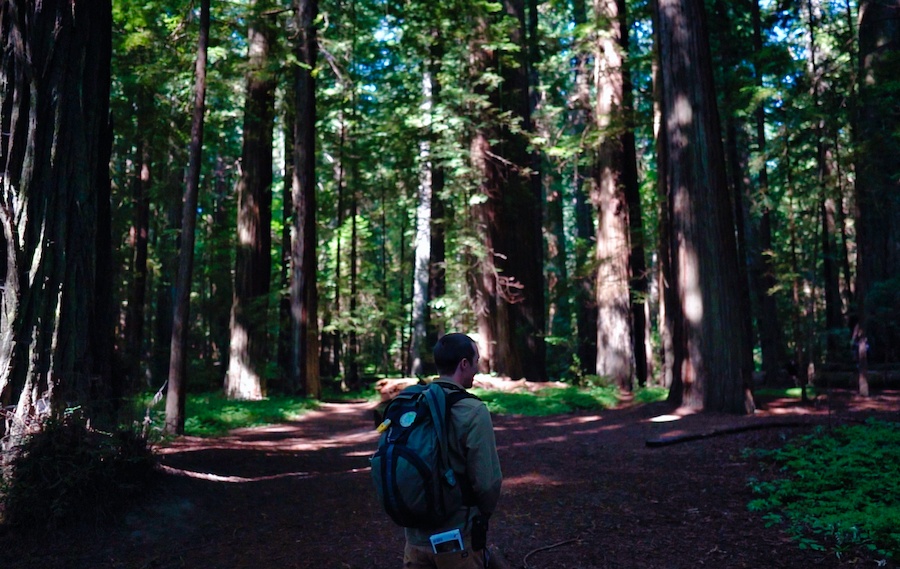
pixel 714 367
pixel 437 281
pixel 304 298
pixel 585 279
pixel 134 320
pixel 512 270
pixel 422 246
pixel 55 328
pixel 175 394
pixel 761 270
pixel 615 194
pixel 253 261
pixel 288 382
pixel 878 172
pixel 830 274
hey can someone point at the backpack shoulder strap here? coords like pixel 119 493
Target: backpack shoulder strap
pixel 440 403
pixel 436 400
pixel 456 396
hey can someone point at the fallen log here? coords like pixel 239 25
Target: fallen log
pixel 683 438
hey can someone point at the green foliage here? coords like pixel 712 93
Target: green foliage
pixel 550 401
pixel 651 394
pixel 786 393
pixel 372 121
pixel 68 473
pixel 211 414
pixel 837 489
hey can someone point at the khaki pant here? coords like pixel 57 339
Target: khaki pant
pixel 418 557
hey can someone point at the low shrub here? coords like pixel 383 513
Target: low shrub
pixel 836 489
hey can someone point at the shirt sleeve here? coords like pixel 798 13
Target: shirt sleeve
pixel 482 462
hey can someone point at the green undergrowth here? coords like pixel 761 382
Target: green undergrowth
pixel 556 400
pixel 212 415
pixel 209 415
pixel 836 489
pixel 786 393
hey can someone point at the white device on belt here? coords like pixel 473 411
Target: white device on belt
pixel 447 541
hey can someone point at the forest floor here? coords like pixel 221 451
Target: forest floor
pixel 580 491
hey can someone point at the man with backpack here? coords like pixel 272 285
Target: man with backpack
pixel 444 507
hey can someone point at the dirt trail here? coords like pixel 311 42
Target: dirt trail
pixel 299 495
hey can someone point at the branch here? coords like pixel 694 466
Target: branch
pixel 675 439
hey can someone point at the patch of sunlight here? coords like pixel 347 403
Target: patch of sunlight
pixel 359 454
pixel 530 479
pixel 572 421
pixel 665 418
pixel 693 297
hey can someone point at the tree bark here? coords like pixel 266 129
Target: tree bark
pixel 835 335
pixel 304 296
pixel 176 392
pixel 422 244
pixel 761 270
pixel 714 367
pixel 139 241
pixel 289 383
pixel 729 59
pixel 56 305
pixel 878 171
pixel 512 271
pixel 437 280
pixel 612 173
pixel 253 261
pixel 585 278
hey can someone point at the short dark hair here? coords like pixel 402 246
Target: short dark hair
pixel 452 349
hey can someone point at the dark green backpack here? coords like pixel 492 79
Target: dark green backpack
pixel 411 468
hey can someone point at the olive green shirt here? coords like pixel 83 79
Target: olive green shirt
pixel 473 451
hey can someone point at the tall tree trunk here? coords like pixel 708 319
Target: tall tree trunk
pixel 304 295
pixel 437 281
pixel 798 367
pixel 637 261
pixel 615 347
pixel 735 161
pixel 715 368
pixel 556 245
pixel 167 245
pixel 762 272
pixel 585 278
pixel 220 282
pixel 830 274
pixel 843 254
pixel 511 217
pixel 422 243
pixel 55 305
pixel 176 392
pixel 351 378
pixel 248 352
pixel 878 172
pixel 139 241
pixel 669 325
pixel 289 380
pixel 335 339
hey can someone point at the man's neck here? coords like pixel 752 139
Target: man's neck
pixel 451 379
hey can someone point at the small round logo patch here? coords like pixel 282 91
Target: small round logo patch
pixel 407 418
